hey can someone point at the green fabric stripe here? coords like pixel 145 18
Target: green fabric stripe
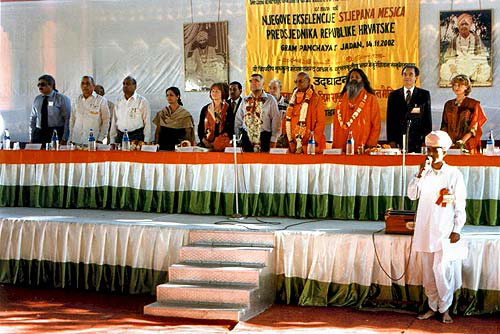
pixel 304 292
pixel 479 212
pixel 48 274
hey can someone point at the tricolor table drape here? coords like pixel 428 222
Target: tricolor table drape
pixel 338 187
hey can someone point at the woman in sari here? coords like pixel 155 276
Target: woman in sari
pixel 174 124
pixel 463 117
pixel 216 125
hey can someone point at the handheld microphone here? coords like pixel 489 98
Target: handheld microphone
pixel 428 162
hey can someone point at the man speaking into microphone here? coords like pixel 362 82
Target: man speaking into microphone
pixel 440 217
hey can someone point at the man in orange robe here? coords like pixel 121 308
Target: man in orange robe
pixel 305 113
pixel 358 111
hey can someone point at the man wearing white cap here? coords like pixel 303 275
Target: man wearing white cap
pixel 466 42
pixel 440 217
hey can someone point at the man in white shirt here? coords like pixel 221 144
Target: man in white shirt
pixel 132 113
pixel 440 217
pixel 90 111
pixel 258 119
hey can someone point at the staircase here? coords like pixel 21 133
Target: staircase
pixel 221 275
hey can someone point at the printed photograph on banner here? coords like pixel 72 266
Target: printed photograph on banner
pixel 205 55
pixel 465 46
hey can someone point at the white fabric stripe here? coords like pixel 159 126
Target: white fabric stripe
pixel 137 246
pixel 318 179
pixel 350 258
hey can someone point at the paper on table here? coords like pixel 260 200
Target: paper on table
pixel 457 251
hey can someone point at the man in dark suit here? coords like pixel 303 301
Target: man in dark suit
pixel 409 106
pixel 235 98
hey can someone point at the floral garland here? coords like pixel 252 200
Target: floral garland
pixel 355 115
pixel 300 127
pixel 253 118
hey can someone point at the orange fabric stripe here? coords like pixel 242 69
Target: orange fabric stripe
pixel 45 157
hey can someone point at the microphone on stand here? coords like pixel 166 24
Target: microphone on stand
pixel 236 139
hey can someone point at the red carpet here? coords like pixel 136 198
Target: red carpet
pixel 24 310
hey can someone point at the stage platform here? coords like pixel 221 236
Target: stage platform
pixel 318 262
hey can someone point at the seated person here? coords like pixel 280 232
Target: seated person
pixel 174 124
pixel 216 125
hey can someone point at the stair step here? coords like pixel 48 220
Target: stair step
pixel 228 285
pixel 216 264
pixel 219 311
pixel 264 239
pixel 238 254
pixel 204 293
pixel 222 273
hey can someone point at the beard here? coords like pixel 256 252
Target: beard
pixel 353 89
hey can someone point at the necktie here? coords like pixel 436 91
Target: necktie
pixel 45 113
pixel 233 105
pixel 408 96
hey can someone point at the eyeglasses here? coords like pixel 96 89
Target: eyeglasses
pixel 42 84
pixel 300 81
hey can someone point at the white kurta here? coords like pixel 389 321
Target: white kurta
pixel 434 222
pixel 89 113
pixel 130 115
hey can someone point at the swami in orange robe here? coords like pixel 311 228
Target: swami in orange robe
pixel 365 128
pixel 315 120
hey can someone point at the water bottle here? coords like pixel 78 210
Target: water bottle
pixel 490 145
pixel 311 144
pixel 349 147
pixel 6 140
pixel 55 141
pixel 125 141
pixel 92 145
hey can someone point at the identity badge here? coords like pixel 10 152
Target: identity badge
pixel 132 112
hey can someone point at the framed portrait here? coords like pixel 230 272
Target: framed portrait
pixel 465 46
pixel 205 55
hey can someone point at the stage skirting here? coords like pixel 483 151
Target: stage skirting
pixel 120 258
pixel 336 269
pixel 337 187
pixel 313 268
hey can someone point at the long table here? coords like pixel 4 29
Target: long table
pixel 320 186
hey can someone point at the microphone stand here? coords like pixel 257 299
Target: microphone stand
pixel 237 214
pixel 403 166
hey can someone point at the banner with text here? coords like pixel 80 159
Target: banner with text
pixel 330 37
